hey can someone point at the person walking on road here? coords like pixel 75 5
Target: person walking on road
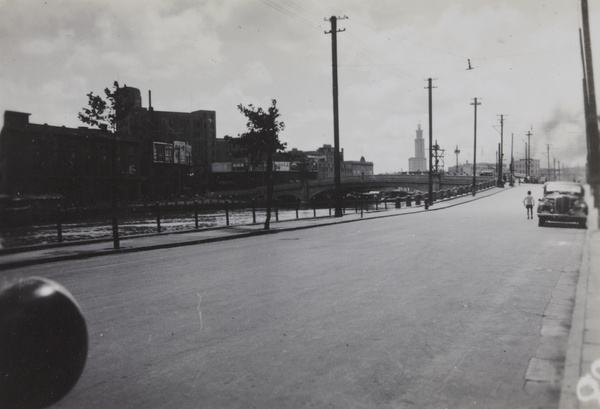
pixel 528 202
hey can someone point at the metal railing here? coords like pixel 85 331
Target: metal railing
pixel 76 224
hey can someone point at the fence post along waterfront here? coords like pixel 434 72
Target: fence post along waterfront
pixel 187 216
pixel 362 206
pixel 157 206
pixel 227 212
pixel 59 224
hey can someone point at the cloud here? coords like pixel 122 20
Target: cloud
pixel 215 55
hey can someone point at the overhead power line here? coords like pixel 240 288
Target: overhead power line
pixel 301 9
pixel 304 16
pixel 291 13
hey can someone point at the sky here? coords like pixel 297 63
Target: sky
pixel 217 54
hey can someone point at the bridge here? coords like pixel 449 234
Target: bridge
pixel 308 190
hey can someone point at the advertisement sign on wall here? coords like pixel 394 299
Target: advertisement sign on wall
pixel 163 152
pixel 281 166
pixel 182 153
pixel 177 152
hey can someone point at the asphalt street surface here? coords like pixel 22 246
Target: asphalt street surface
pixel 467 306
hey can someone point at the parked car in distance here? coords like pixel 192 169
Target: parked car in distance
pixel 562 202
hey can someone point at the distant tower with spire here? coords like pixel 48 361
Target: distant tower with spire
pixel 419 162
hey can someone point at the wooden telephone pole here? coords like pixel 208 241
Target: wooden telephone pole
pixel 501 152
pixel 592 131
pixel 528 155
pixel 337 180
pixel 512 160
pixel 475 103
pixel 429 201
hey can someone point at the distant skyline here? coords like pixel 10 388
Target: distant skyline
pixel 215 54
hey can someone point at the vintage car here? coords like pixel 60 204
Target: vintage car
pixel 562 202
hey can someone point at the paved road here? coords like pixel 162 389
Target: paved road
pixel 463 307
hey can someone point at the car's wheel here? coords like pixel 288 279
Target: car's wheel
pixel 541 221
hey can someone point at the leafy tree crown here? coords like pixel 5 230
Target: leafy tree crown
pixel 261 140
pixel 104 113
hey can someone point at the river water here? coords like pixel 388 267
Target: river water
pixel 48 233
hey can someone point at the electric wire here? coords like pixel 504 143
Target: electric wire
pixel 372 58
pixel 290 13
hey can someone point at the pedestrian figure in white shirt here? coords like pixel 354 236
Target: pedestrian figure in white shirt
pixel 528 202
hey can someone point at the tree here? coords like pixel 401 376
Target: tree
pixel 103 112
pixel 261 142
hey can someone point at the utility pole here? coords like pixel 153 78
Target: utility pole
pixel 498 165
pixel 456 152
pixel 512 160
pixel 555 169
pixel 586 107
pixel 438 158
pixel 528 154
pixel 337 180
pixel 591 113
pixel 430 196
pixel 548 150
pixel 475 103
pixel 525 158
pixel 501 152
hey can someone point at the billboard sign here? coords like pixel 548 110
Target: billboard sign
pixel 182 153
pixel 221 167
pixel 281 166
pixel 162 152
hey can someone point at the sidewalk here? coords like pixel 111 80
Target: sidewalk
pixel 581 383
pixel 14 258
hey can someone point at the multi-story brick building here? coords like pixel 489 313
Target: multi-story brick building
pixel 522 169
pixel 40 159
pixel 235 170
pixel 322 159
pixel 177 148
pixel 158 154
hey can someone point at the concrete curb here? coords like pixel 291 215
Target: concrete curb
pixel 575 345
pixel 572 368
